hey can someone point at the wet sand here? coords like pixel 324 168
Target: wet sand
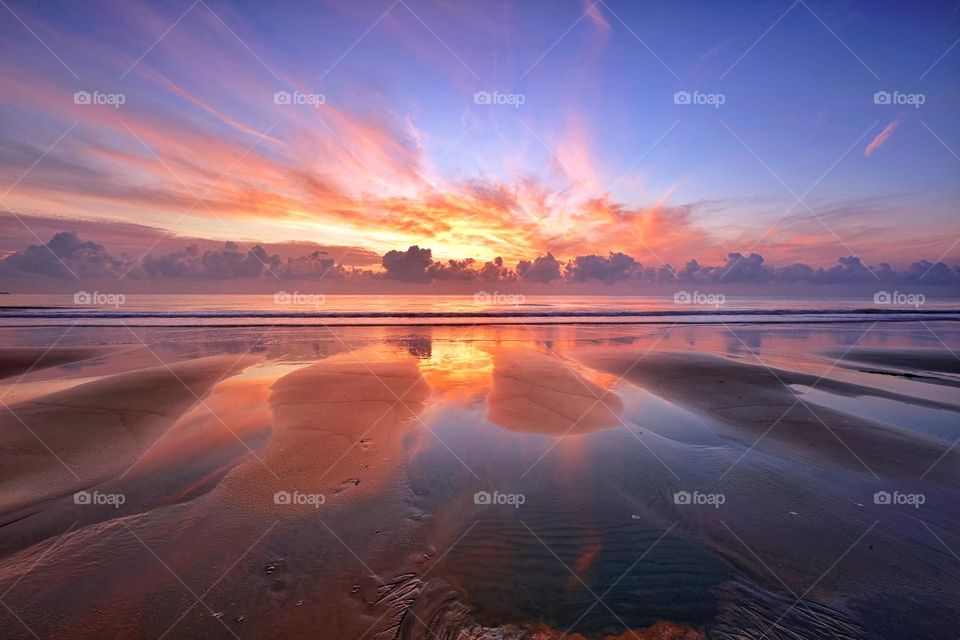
pixel 503 483
pixel 537 393
pixel 20 360
pixel 917 360
pixel 752 399
pixel 69 440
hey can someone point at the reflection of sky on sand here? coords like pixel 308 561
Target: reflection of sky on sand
pixel 566 480
pixel 236 409
pixel 938 423
pixel 457 369
pixel 15 391
pixel 598 499
pixel 652 414
pixel 581 493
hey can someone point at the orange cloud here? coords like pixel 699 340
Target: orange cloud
pixel 327 175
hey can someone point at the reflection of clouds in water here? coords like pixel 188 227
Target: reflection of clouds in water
pixel 469 364
pixel 327 421
pixel 457 367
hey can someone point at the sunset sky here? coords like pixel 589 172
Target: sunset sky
pixel 587 152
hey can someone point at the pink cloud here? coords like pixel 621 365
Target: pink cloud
pixel 882 137
pixel 595 15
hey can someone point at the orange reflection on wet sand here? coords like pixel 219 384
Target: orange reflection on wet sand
pixel 457 369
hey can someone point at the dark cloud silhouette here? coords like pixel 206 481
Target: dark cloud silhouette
pixel 470 269
pixel 65 255
pixel 609 269
pixel 453 270
pixel 495 271
pixel 231 262
pixel 408 266
pixel 65 252
pixel 542 269
pixel 848 270
pixel 318 264
pixel 738 268
pixel 934 273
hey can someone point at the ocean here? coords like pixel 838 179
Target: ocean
pixel 298 308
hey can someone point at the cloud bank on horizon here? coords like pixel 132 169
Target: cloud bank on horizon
pixel 603 134
pixel 67 257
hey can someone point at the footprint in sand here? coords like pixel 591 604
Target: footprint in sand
pixel 347 484
pixel 277 570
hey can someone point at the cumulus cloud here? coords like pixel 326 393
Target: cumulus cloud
pixel 496 271
pixel 609 269
pixel 848 270
pixel 417 265
pixel 408 266
pixel 542 269
pixel 738 268
pixel 65 255
pixel 453 270
pixel 228 263
pixel 318 264
pixel 933 273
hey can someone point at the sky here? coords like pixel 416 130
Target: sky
pixel 804 131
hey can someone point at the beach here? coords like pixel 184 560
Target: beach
pixel 449 320
pixel 480 481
